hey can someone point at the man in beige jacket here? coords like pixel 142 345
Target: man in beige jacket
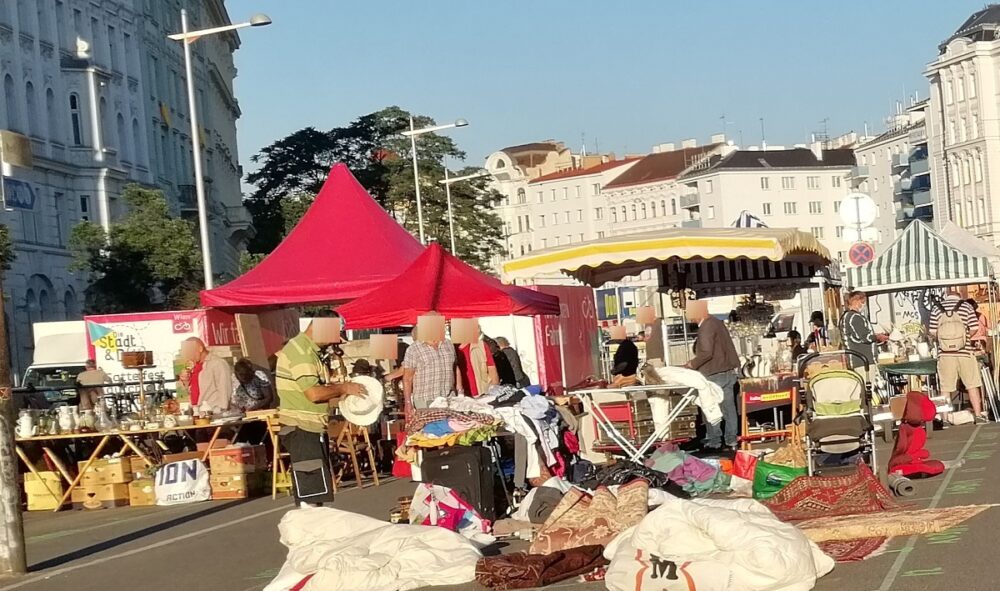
pixel 209 378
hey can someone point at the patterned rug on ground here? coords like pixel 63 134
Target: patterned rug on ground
pixel 810 497
pixel 891 523
pixel 854 550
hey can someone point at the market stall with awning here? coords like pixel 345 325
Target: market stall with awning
pixel 439 282
pixel 710 261
pixel 345 246
pixel 918 259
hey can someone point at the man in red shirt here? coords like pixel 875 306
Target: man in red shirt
pixel 477 369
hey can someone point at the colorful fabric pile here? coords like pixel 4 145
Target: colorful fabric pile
pixel 696 476
pixel 441 427
pixel 582 519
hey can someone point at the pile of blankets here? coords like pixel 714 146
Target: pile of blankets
pixel 442 427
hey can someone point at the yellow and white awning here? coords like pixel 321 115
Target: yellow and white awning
pixel 610 259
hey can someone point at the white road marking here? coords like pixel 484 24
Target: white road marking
pixel 890 577
pixel 74 567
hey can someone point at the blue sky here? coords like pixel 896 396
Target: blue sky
pixel 626 75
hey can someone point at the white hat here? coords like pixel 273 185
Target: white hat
pixel 364 410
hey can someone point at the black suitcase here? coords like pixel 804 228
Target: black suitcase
pixel 466 470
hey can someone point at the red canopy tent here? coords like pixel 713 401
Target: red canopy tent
pixel 345 246
pixel 437 281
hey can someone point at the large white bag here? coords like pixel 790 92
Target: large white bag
pixel 178 483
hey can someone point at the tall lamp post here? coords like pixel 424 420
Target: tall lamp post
pixel 447 182
pixel 189 37
pixel 412 134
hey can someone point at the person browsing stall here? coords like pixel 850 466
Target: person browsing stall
pixel 795 345
pixel 953 323
pixel 716 358
pixel 209 379
pixel 625 363
pixel 304 400
pixel 252 388
pixel 478 369
pixel 429 370
pixel 91 381
pixel 857 331
pixel 521 379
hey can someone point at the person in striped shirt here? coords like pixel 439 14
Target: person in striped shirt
pixel 956 359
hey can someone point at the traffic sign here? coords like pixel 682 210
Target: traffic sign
pixel 858 210
pixel 861 253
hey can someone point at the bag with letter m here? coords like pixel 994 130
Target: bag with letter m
pixel 952 333
pixel 178 483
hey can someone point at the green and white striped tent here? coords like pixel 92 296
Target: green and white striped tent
pixel 919 258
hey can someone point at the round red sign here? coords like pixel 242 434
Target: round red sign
pixel 861 253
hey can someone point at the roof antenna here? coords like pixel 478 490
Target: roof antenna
pixel 763 141
pixel 583 140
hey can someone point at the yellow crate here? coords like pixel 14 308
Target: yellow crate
pixel 39 498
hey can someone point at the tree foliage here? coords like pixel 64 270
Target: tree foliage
pixel 148 261
pixel 6 249
pixel 293 169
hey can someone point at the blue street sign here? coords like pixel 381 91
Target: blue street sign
pixel 17 194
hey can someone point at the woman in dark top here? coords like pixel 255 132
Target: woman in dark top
pixel 817 332
pixel 505 372
pixel 795 344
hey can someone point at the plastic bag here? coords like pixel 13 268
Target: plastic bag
pixel 744 465
pixel 768 479
pixel 441 506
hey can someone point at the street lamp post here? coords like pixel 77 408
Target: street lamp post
pixel 447 191
pixel 189 37
pixel 412 134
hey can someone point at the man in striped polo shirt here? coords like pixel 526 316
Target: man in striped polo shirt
pixel 956 359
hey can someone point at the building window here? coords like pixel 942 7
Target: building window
pixel 566 215
pixel 643 208
pixel 552 194
pixel 673 207
pixel 624 214
pixel 652 207
pixel 579 215
pixel 978 166
pixel 545 243
pixel 558 240
pixel 790 208
pixel 788 182
pixel 579 191
pixel 815 207
pixel 50 116
pixel 555 219
pixel 85 207
pixel 839 231
pixel 981 207
pixel 835 181
pixel 956 174
pixel 581 237
pixel 817 231
pixel 596 187
pixel 541 221
pixel 836 207
pixel 765 183
pixel 522 250
pixel 599 213
pixel 10 100
pixel 972 85
pixel 540 198
pixel 708 186
pixel 520 224
pixel 44 23
pixel 635 214
pixel 966 174
pixel 710 212
pixel 948 92
pixel 111 48
pixel 34 125
pixel 75 121
pixel 600 234
pixel 522 197
pixel 951 131
pixel 565 193
pixel 962 130
pixel 527 223
pixel 765 208
pixel 812 182
pixel 614 214
pixel 960 89
pixel 974 126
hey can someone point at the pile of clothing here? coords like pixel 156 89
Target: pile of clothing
pixel 694 475
pixel 443 427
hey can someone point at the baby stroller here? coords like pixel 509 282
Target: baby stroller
pixel 838 412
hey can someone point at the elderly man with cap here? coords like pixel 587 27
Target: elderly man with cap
pixel 716 358
pixel 208 377
pixel 305 396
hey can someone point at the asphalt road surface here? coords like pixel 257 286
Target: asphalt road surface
pixel 227 546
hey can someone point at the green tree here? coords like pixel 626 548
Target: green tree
pixel 6 248
pixel 293 170
pixel 148 261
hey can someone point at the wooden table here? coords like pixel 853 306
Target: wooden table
pixel 127 446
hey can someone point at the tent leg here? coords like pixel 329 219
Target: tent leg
pixel 562 357
pixel 665 336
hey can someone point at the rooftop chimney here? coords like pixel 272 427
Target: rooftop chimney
pixel 817 149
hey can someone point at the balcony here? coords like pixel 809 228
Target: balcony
pixel 901 160
pixel 859 172
pixel 690 200
pixel 691 223
pixel 922 197
pixel 919 167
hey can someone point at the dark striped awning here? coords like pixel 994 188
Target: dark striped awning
pixel 727 277
pixel 919 258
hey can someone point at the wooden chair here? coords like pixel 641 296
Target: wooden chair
pixel 347 441
pixel 281 476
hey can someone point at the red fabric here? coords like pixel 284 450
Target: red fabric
pixel 468 374
pixel 344 246
pixel 195 387
pixel 301 584
pixel 437 281
pixel 909 457
pixel 401 469
pixel 853 550
pixel 808 497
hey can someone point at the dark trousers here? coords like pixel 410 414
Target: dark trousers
pixel 312 474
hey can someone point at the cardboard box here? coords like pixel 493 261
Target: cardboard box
pixel 38 495
pixel 138 467
pixel 238 460
pixel 142 492
pixel 100 496
pixel 219 444
pixel 181 457
pixel 109 471
pixel 236 486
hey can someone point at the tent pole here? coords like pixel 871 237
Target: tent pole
pixel 562 356
pixel 665 336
